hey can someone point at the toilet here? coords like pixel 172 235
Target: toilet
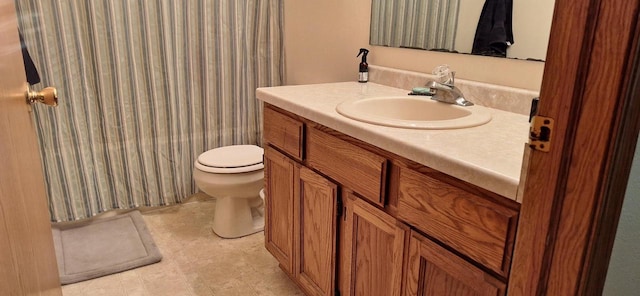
pixel 234 176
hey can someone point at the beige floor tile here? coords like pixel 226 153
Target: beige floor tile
pixel 195 260
pixel 103 286
pixel 133 284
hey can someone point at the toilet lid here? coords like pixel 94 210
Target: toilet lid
pixel 231 159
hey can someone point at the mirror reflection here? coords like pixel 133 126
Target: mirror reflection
pixel 502 28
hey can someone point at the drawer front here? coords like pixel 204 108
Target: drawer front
pixel 474 226
pixel 362 171
pixel 283 132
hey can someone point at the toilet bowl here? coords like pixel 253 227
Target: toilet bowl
pixel 234 176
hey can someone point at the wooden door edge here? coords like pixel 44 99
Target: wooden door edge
pixel 609 207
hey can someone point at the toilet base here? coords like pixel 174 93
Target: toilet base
pixel 237 217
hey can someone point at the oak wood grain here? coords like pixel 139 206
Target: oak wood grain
pixel 280 175
pixel 434 271
pixel 283 132
pixel 316 233
pixel 470 224
pixel 626 131
pixel 350 165
pixel 592 140
pixel 497 213
pixel 372 246
pixel 395 161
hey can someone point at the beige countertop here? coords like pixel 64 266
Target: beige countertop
pixel 489 156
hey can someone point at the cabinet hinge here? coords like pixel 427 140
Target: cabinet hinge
pixel 540 133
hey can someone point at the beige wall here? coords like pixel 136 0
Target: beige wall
pixel 468 16
pixel 322 39
pixel 531 19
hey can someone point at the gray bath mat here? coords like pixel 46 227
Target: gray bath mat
pixel 100 247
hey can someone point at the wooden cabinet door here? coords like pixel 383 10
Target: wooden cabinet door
pixel 371 246
pixel 434 271
pixel 315 233
pixel 280 175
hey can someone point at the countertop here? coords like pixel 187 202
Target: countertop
pixel 488 156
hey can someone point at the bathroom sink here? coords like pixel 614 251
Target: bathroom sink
pixel 415 112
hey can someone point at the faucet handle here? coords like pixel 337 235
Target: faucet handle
pixel 444 74
pixel 452 78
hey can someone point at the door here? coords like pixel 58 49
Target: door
pixel 27 258
pixel 315 220
pixel 371 250
pixel 573 193
pixel 280 176
pixel 434 271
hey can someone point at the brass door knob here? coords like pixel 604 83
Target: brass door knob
pixel 47 96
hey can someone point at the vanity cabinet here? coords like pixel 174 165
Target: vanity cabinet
pixel 346 218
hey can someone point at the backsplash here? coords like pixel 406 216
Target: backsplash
pixel 505 98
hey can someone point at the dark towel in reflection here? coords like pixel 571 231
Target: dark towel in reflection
pixel 29 67
pixel 494 33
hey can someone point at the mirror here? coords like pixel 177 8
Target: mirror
pixel 450 25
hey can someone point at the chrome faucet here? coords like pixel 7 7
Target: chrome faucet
pixel 447 92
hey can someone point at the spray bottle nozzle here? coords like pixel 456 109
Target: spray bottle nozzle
pixel 365 51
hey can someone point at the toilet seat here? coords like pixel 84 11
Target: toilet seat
pixel 231 159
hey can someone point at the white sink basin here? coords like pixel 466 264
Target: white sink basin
pixel 416 112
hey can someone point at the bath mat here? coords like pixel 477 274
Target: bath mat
pixel 87 250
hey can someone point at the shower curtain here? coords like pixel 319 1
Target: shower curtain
pixel 425 24
pixel 144 88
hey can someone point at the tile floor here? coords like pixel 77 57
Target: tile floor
pixel 195 261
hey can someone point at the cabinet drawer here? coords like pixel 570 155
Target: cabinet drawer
pixel 476 227
pixel 283 132
pixel 362 171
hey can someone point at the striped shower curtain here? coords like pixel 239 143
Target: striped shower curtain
pixel 144 87
pixel 425 24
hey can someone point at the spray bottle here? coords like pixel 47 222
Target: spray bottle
pixel 363 75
